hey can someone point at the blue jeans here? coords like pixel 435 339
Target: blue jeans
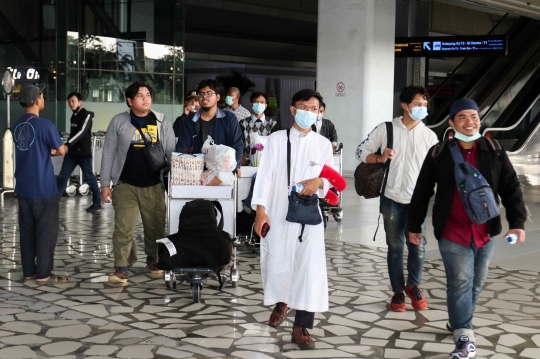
pixel 395 217
pixel 69 164
pixel 466 271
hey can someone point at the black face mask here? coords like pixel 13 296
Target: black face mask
pixel 76 110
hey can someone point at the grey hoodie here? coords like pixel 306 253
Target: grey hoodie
pixel 118 140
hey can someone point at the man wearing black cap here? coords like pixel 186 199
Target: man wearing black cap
pixel 36 139
pixel 466 248
pixel 80 150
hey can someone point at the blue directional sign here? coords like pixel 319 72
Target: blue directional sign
pixel 451 46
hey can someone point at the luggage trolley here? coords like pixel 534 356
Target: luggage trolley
pixel 336 211
pixel 178 196
pixel 244 185
pixel 98 141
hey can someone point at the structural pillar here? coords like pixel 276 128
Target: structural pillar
pixel 355 68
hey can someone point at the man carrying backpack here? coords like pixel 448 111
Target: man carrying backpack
pixel 466 247
pixel 411 142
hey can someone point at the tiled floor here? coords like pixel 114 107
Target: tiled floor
pixel 90 318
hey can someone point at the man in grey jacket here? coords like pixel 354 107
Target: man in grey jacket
pixel 137 188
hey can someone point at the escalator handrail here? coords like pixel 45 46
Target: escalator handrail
pixel 509 128
pixel 529 61
pixel 502 93
pixel 462 62
pixel 526 141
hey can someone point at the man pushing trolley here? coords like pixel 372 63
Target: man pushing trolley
pixel 293 262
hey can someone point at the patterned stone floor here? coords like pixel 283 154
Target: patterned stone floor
pixel 90 318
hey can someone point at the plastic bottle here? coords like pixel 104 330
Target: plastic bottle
pixel 512 238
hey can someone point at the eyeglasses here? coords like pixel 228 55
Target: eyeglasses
pixel 206 94
pixel 142 95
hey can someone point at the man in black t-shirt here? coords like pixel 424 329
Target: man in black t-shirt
pixel 137 189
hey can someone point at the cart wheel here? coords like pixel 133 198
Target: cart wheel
pixel 338 215
pixel 167 278
pixel 196 292
pixel 84 189
pixel 71 190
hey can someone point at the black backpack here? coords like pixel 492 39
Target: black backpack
pixel 200 240
pixel 370 179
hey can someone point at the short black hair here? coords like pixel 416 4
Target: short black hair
pixel 254 95
pixel 322 104
pixel 133 90
pixel 213 84
pixel 27 105
pixel 305 95
pixel 410 92
pixel 76 94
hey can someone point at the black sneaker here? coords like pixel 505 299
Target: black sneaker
pixel 94 208
pixel 465 349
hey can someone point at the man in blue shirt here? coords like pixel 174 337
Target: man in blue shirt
pixel 36 139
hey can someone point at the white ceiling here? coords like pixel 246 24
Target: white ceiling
pixel 528 8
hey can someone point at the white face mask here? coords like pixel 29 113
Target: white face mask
pixel 466 138
pixel 418 113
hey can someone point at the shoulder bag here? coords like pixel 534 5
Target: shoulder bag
pixel 154 153
pixel 302 209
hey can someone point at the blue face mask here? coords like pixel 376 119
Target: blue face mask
pixel 418 113
pixel 305 119
pixel 258 108
pixel 229 100
pixel 466 138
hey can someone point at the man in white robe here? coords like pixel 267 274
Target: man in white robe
pixel 293 272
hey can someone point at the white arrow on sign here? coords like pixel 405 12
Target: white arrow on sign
pixel 426 46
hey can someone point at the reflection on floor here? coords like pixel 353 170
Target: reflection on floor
pixel 90 318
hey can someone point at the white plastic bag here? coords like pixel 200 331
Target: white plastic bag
pixel 257 144
pixel 219 158
pixel 215 178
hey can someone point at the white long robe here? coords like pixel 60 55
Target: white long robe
pixel 292 272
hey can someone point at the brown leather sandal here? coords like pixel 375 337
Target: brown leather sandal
pixel 278 314
pixel 301 337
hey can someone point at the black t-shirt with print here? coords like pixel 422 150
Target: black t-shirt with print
pixel 136 171
pixel 205 128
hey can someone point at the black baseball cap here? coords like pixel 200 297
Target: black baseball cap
pixel 30 93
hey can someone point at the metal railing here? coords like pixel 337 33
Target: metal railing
pixel 510 128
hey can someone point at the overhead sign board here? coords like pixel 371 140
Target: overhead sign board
pixel 451 46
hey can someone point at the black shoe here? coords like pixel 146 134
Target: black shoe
pixel 94 208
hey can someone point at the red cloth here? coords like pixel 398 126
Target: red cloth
pixel 459 228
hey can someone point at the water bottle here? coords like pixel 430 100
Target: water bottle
pixel 298 188
pixel 512 238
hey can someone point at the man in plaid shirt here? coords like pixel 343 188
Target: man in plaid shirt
pixel 256 122
pixel 233 104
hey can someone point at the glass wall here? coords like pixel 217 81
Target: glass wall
pixel 101 68
pixel 96 47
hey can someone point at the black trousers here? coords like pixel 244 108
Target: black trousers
pixel 38 225
pixel 304 319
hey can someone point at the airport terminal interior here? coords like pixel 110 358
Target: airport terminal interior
pixel 355 53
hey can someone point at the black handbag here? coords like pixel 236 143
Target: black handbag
pixel 154 153
pixel 370 179
pixel 302 209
